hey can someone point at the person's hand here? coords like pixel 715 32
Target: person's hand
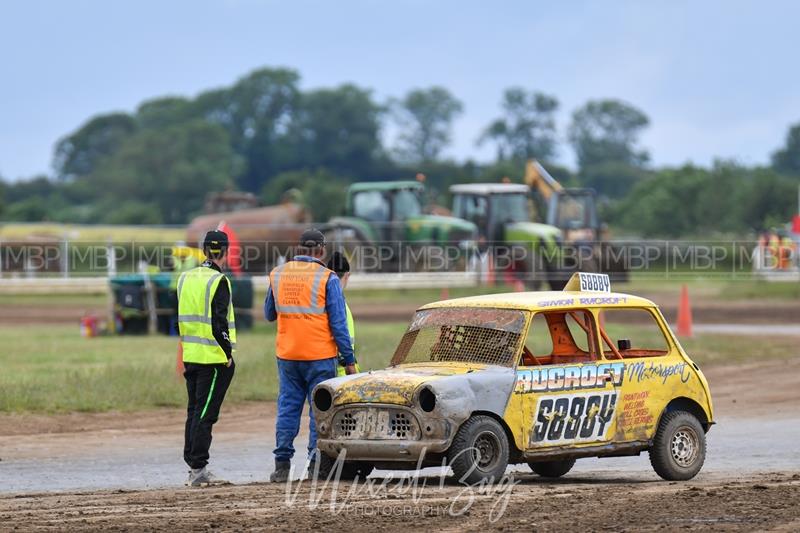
pixel 229 363
pixel 350 369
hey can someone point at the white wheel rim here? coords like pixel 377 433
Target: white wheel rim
pixel 685 446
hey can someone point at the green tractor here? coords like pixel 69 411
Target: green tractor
pixel 385 229
pixel 529 251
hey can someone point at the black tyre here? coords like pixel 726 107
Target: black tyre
pixel 350 469
pixel 479 451
pixel 679 447
pixel 552 469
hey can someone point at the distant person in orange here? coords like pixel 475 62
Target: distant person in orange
pixel 786 250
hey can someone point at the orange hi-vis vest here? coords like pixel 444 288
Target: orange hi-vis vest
pixel 304 333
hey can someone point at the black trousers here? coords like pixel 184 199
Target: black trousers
pixel 206 386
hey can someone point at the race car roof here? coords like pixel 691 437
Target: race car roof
pixel 546 300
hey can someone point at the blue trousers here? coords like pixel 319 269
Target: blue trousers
pixel 296 381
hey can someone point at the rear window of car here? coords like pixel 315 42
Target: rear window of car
pixel 462 334
pixel 628 333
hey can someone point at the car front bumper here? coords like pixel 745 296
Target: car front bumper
pixel 382 432
pixel 382 450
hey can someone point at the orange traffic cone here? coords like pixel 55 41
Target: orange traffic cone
pixel 179 362
pixel 684 314
pixel 444 294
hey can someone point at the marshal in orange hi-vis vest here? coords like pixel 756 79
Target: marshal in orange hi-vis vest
pixel 303 330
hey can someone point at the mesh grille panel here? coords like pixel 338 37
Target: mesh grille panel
pixel 347 424
pixel 375 423
pixel 465 344
pixel 400 425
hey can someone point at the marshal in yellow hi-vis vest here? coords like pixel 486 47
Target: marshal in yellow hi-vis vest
pixel 196 288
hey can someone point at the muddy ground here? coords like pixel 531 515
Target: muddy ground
pixel 765 502
pixel 115 471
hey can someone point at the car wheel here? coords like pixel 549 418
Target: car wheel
pixel 679 447
pixel 350 469
pixel 552 468
pixel 479 451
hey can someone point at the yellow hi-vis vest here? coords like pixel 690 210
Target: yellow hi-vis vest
pixel 351 328
pixel 196 288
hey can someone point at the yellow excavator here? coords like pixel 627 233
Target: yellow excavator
pixel 574 212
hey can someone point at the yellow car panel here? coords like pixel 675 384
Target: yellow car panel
pixel 598 398
pixel 396 385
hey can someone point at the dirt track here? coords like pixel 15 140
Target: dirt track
pixel 751 480
pixel 766 502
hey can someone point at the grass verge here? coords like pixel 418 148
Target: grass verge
pixel 52 369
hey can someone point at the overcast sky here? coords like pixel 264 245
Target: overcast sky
pixel 717 78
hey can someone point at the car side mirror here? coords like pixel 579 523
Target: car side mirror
pixel 624 344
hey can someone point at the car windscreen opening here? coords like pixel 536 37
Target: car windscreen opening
pixel 465 335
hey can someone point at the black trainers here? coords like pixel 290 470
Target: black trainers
pixel 281 473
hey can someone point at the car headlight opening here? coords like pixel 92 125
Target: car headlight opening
pixel 427 399
pixel 323 399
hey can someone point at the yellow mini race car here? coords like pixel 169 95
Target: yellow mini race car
pixel 542 378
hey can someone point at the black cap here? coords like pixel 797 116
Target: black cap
pixel 339 263
pixel 215 241
pixel 312 238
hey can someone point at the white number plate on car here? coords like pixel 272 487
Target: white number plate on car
pixel 595 282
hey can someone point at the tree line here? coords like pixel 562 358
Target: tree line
pixel 263 134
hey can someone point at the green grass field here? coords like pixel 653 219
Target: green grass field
pixel 52 369
pixel 699 290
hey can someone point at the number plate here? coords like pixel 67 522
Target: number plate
pixel 376 423
pixel 594 282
